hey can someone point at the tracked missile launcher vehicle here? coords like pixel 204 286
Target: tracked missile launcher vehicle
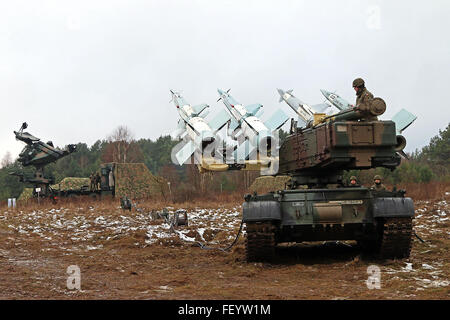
pixel 317 205
pixel 38 154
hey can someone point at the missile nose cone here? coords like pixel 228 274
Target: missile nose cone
pixel 325 92
pixel 282 94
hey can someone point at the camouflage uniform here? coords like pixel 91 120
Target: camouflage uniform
pixel 355 184
pixel 364 99
pixel 97 181
pixel 378 186
pixel 92 185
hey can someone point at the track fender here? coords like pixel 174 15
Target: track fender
pixel 393 207
pixel 253 211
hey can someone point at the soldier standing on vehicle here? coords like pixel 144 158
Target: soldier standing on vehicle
pixel 363 99
pixel 377 185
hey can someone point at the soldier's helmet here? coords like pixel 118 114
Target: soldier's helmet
pixel 377 177
pixel 358 82
pixel 352 178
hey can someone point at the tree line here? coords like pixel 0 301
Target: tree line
pixel 120 146
pixel 431 163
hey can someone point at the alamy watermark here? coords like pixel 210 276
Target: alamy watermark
pixel 373 21
pixel 74 278
pixel 240 149
pixel 374 279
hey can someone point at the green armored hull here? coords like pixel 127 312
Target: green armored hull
pixel 316 156
pixel 317 205
pixel 380 221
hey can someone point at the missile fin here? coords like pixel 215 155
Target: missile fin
pixel 403 119
pixel 178 132
pixel 233 125
pixel 277 120
pixel 219 121
pixel 198 109
pixel 403 154
pixel 301 122
pixel 320 108
pixel 253 109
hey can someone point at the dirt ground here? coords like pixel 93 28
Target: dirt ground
pixel 131 255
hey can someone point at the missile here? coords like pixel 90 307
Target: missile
pixel 304 111
pixel 402 119
pixel 336 100
pixel 256 133
pixel 193 126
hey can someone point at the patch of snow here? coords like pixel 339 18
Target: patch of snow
pixel 427 266
pixel 408 267
pixel 89 248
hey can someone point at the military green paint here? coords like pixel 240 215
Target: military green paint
pixel 348 145
pixel 297 206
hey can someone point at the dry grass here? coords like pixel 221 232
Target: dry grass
pixel 425 191
pixel 417 191
pixel 118 261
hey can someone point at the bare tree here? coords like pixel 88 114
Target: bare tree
pixel 121 139
pixel 7 160
pixel 122 147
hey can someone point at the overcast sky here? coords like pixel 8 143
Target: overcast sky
pixel 75 70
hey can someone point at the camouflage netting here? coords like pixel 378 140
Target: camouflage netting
pixel 266 184
pixel 71 183
pixel 26 194
pixel 135 181
pixel 132 180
